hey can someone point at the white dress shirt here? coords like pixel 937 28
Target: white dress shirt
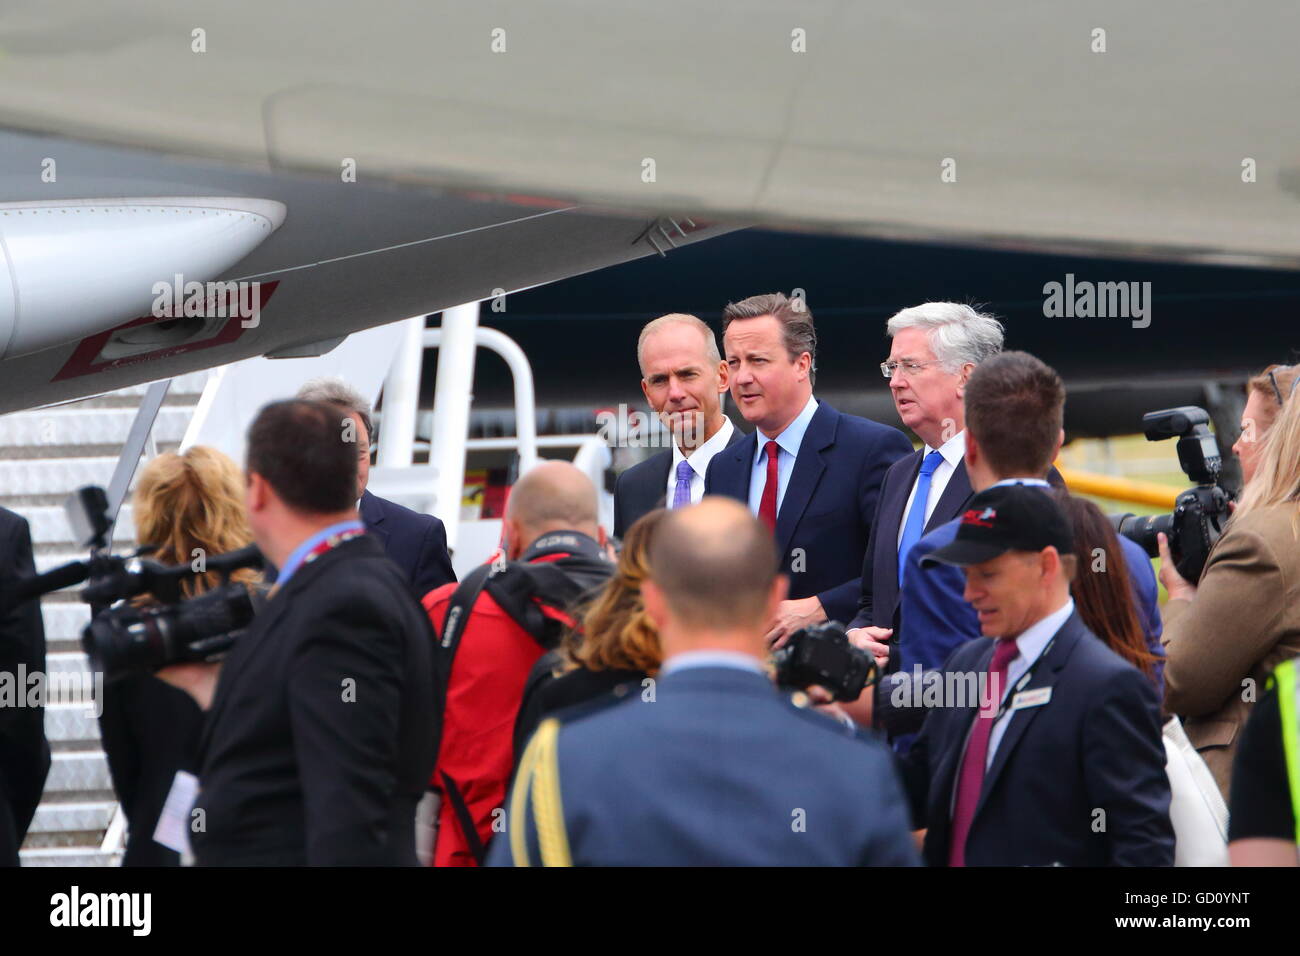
pixel 1029 646
pixel 699 462
pixel 788 443
pixel 953 450
pixel 706 658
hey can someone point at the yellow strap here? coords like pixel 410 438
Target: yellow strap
pixel 519 804
pixel 1285 677
pixel 548 810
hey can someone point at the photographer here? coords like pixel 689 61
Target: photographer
pixel 151 730
pixel 316 750
pixel 1225 635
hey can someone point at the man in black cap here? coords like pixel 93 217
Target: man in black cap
pixel 1047 748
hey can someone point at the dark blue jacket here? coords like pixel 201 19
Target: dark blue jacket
pixel 1077 781
pixel 824 521
pixel 936 618
pixel 416 543
pixel 644 487
pixel 718 769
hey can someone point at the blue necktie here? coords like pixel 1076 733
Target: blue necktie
pixel 915 525
pixel 682 493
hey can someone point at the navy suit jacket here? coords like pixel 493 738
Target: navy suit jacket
pixel 643 487
pixel 878 602
pixel 1077 781
pixel 824 521
pixel 936 618
pixel 416 543
pixel 718 769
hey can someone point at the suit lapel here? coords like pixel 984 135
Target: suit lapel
pixel 891 511
pixel 734 482
pixel 1045 675
pixel 372 516
pixel 808 468
pixel 955 495
pixel 656 494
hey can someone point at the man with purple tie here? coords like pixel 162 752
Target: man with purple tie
pixel 1047 748
pixel 683 378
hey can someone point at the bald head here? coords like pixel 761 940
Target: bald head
pixel 715 565
pixel 554 496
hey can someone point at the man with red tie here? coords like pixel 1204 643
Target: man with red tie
pixel 809 472
pixel 1057 758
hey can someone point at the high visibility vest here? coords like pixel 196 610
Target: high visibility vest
pixel 1284 679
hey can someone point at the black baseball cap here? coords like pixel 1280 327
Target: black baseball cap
pixel 1006 518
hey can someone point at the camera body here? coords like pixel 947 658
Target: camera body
pixel 824 656
pixel 1201 512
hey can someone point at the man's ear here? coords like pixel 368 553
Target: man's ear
pixel 966 369
pixel 256 492
pixel 655 607
pixel 724 378
pixel 1060 440
pixel 645 390
pixel 805 363
pixel 972 450
pixel 601 538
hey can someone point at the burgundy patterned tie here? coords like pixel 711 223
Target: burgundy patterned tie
pixel 970 777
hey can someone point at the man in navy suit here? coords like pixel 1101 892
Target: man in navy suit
pixel 708 764
pixel 935 347
pixel 810 473
pixel 683 378
pixel 1058 759
pixel 416 543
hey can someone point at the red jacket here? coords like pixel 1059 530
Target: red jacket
pixel 483 695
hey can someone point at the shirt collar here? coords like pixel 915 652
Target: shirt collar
pixel 294 561
pixel 701 457
pixel 706 658
pixel 953 450
pixel 1030 482
pixel 1030 644
pixel 790 439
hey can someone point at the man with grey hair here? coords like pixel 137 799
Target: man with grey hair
pixel 683 378
pixel 936 345
pixel 416 543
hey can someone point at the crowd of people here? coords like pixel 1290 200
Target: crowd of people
pixel 587 699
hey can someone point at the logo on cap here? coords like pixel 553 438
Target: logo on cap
pixel 983 519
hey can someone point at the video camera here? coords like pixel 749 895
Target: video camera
pixel 1199 513
pixel 823 655
pixel 123 638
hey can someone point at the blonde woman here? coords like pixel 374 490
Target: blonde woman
pixel 618 644
pixel 1224 635
pixel 150 729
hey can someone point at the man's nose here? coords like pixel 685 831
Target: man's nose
pixel 675 391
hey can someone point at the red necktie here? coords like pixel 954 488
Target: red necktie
pixel 767 504
pixel 970 778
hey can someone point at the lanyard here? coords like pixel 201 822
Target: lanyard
pixel 1024 679
pixel 329 544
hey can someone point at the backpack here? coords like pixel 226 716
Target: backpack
pixel 540 598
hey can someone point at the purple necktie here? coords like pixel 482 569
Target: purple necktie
pixel 682 493
pixel 970 776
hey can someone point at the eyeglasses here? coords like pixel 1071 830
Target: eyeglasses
pixel 1272 380
pixel 888 369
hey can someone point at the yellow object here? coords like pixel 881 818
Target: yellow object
pixel 1120 489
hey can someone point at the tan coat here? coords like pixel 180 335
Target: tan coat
pixel 1244 620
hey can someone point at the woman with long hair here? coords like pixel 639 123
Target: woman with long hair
pixel 617 643
pixel 185 505
pixel 1102 587
pixel 1226 633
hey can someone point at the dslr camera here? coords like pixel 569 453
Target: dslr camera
pixel 123 638
pixel 1200 512
pixel 823 655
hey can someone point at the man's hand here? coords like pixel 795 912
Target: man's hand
pixel 792 615
pixel 872 640
pixel 1179 587
pixel 859 711
pixel 197 680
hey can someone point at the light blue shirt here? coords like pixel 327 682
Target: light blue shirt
pixel 788 443
pixel 1029 646
pixel 707 658
pixel 294 561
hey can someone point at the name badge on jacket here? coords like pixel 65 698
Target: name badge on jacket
pixel 1031 698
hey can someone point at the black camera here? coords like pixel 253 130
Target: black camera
pixel 1200 513
pixel 823 655
pixel 123 638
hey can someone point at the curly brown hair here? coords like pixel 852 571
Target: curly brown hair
pixel 616 632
